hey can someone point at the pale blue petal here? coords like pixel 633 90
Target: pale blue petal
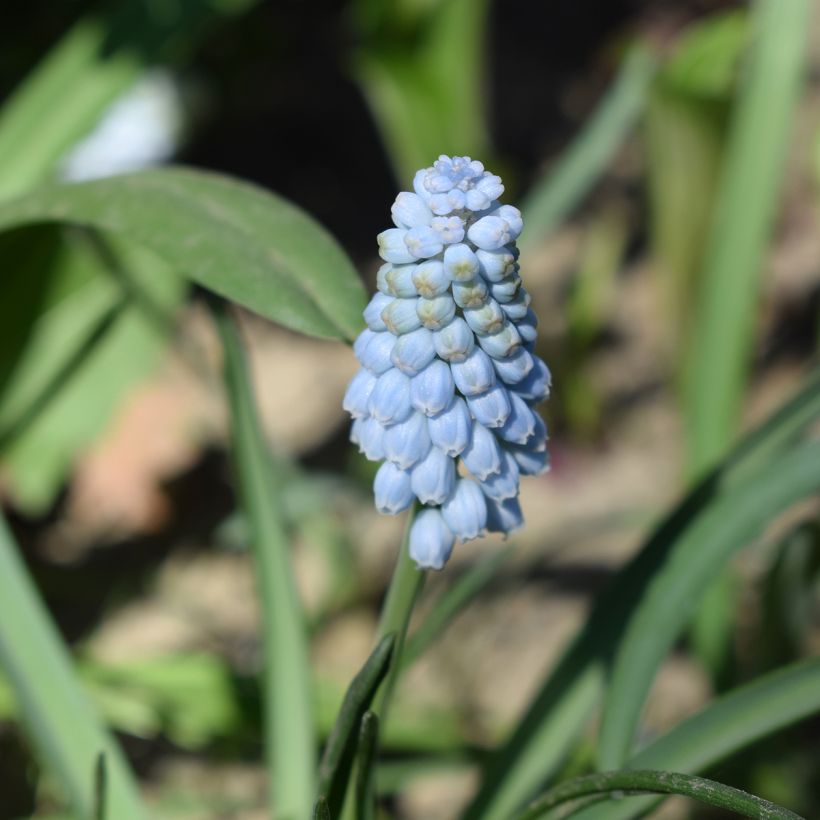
pixel 410 211
pixel 465 511
pixel 487 319
pixel 390 399
pixel 399 281
pixel 376 355
pixel 482 457
pixel 430 279
pixel 460 263
pixel 455 342
pixel 392 247
pixel 413 351
pixel 391 489
pixel 434 477
pixel 358 393
pixel 451 430
pixel 408 442
pixel 504 516
pixel 475 374
pixel 520 424
pixel 503 344
pixel 503 484
pixel 373 311
pixel 432 390
pixel 514 368
pixel 491 408
pixel 436 313
pixel 431 540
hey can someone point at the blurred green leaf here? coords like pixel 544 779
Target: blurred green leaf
pixel 627 783
pixel 321 810
pixel 365 767
pixel 662 611
pixel 340 751
pixel 746 202
pixel 585 160
pixel 244 243
pixel 732 722
pixel 424 81
pixel 75 398
pixel 52 704
pixel 567 697
pixel 287 712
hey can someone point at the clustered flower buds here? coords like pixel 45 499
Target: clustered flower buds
pixel 449 380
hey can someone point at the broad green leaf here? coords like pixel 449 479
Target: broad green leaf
pixel 53 706
pixel 287 709
pixel 627 783
pixel 668 601
pixel 238 240
pixel 584 161
pixel 75 396
pixel 745 207
pixel 340 751
pixel 723 728
pixel 568 696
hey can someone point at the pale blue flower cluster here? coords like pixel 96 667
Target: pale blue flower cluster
pixel 449 380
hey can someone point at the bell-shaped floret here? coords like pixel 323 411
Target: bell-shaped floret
pixel 520 424
pixel 514 368
pixel 502 344
pixel 399 281
pixel 373 312
pixel 512 216
pixel 465 511
pixel 376 354
pixel 531 460
pixel 436 313
pixel 496 265
pixel 450 229
pixel 390 399
pixel 535 386
pixel 491 408
pixel 451 429
pixel 489 233
pixel 413 351
pixel 431 540
pixel 423 242
pixel 504 483
pixel 392 246
pixel 516 308
pixel 433 478
pixel 487 319
pixel 410 211
pixel 475 374
pixel 460 263
pixel 504 516
pixel 527 326
pixel 401 317
pixel 431 391
pixel 369 435
pixel 358 393
pixel 482 456
pixel 407 442
pixel 455 342
pixel 430 279
pixel 391 489
pixel 507 289
pixel 470 294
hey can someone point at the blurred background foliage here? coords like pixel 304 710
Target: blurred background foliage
pixel 669 183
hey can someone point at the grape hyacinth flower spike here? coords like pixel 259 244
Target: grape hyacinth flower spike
pixel 449 381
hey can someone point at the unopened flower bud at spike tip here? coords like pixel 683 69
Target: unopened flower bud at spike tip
pixel 449 377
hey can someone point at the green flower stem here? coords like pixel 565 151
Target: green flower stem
pixel 655 782
pixel 289 738
pixel 405 586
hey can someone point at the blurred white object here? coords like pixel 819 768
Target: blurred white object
pixel 143 127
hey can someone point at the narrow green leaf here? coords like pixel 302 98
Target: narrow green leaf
pixel 630 783
pixel 667 603
pixel 582 164
pixel 238 240
pixel 100 788
pixel 746 202
pixel 451 603
pixel 53 705
pixel 321 810
pixel 734 721
pixel 365 765
pixel 287 686
pixel 567 697
pixel 340 752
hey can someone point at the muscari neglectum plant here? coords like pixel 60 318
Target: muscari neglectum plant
pixel 449 380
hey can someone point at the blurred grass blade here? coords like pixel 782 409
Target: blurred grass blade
pixel 628 783
pixel 53 705
pixel 463 592
pixel 321 811
pixel 238 240
pixel 365 765
pixel 68 367
pixel 100 788
pixel 423 77
pixel 586 159
pixel 698 555
pixel 744 213
pixel 287 686
pixel 568 696
pixel 723 728
pixel 340 752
